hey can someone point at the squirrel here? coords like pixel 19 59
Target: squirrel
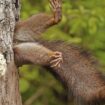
pixel 30 31
pixel 77 72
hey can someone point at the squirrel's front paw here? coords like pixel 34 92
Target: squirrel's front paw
pixel 56 8
pixel 57 59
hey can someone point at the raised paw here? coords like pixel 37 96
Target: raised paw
pixel 55 4
pixel 57 59
pixel 56 8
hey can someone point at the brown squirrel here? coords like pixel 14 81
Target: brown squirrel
pixel 30 31
pixel 78 73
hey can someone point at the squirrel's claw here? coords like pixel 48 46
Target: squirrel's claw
pixel 56 8
pixel 57 59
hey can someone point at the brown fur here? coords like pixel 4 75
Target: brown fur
pixel 30 30
pixel 81 76
pixel 78 73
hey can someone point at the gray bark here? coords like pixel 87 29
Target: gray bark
pixel 9 86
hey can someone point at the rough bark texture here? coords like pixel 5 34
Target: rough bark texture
pixel 9 91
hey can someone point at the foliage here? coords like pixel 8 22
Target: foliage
pixel 83 23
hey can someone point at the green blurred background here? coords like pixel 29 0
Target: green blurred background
pixel 83 23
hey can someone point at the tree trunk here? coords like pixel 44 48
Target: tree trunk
pixel 9 80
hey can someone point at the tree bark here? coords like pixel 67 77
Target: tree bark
pixel 9 80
